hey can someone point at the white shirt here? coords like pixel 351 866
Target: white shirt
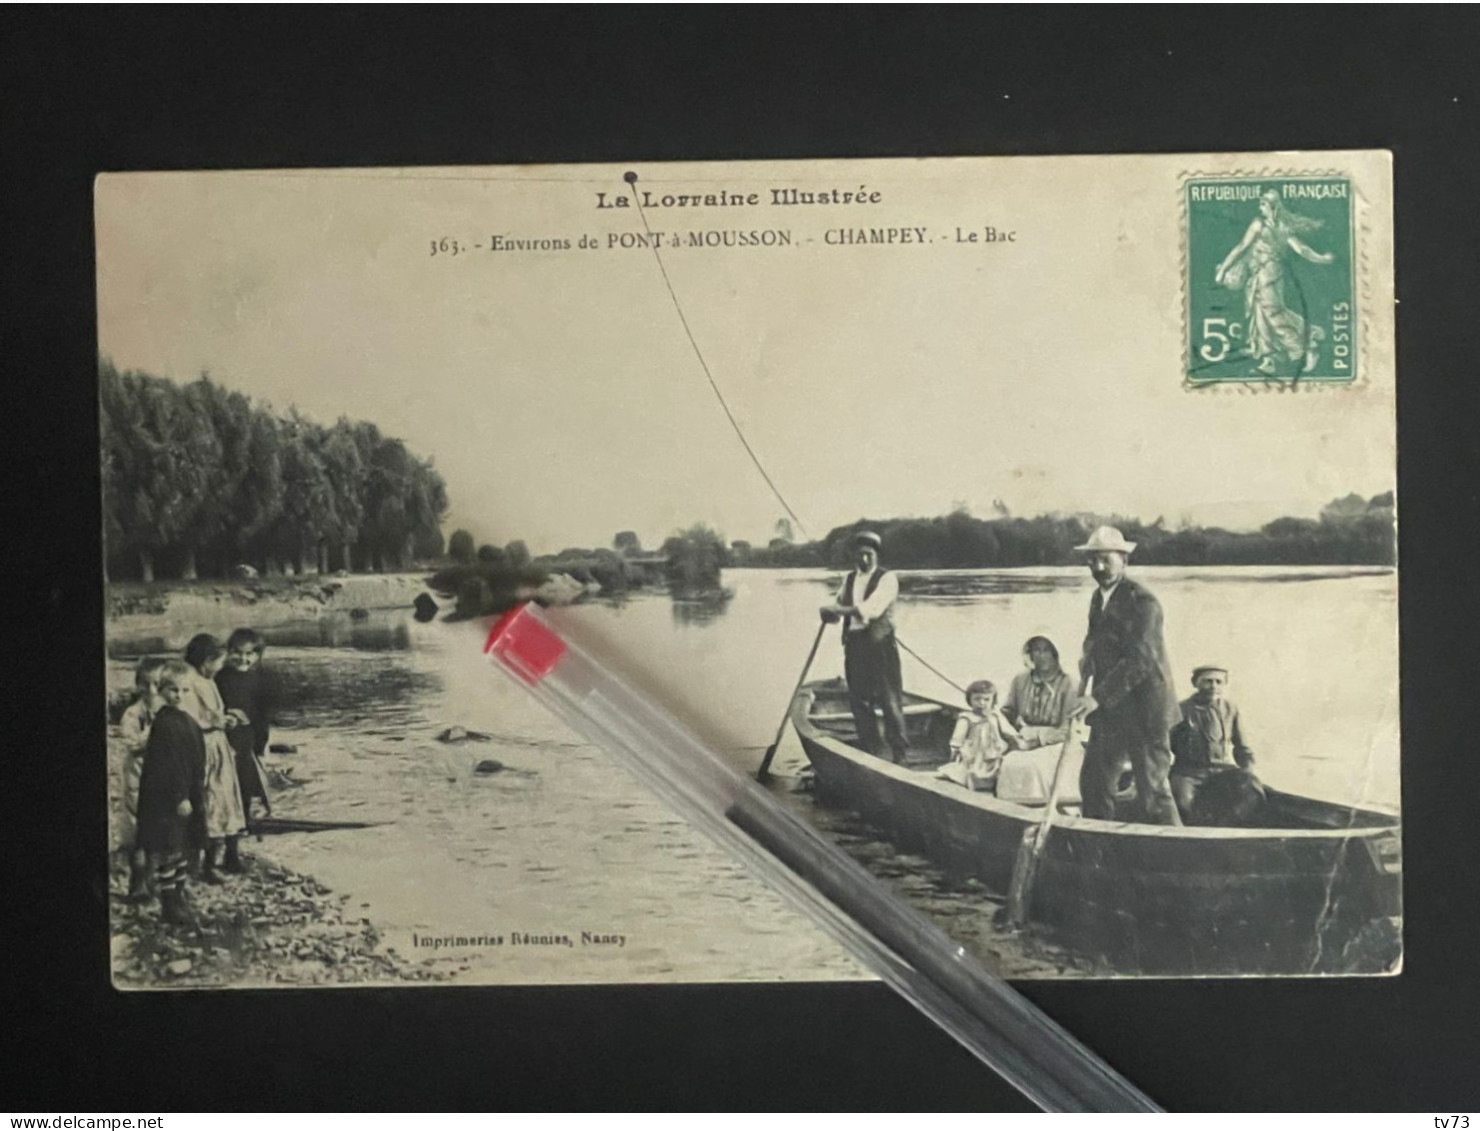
pixel 872 608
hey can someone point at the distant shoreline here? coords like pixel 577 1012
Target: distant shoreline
pixel 165 614
pixel 1307 569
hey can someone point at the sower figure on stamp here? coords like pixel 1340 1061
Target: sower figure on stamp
pixel 1276 331
pixel 870 652
pixel 1132 707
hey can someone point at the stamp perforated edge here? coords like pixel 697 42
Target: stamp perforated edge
pixel 1361 286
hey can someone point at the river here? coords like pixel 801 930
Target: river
pixel 561 842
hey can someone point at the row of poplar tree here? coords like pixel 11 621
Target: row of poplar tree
pixel 199 480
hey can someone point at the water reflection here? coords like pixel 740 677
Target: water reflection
pixel 963 588
pixel 700 611
pixel 1227 575
pixel 137 647
pixel 377 631
pixel 961 585
pixel 336 689
pixel 942 588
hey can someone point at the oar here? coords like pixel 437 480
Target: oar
pixel 765 771
pixel 1035 840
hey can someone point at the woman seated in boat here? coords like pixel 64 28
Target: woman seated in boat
pixel 980 741
pixel 1040 699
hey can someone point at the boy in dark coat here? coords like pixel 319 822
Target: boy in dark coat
pixel 245 691
pixel 170 789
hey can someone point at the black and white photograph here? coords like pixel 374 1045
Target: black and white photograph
pixel 897 482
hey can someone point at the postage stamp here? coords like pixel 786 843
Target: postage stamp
pixel 1270 280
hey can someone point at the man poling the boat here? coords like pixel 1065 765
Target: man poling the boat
pixel 1132 708
pixel 870 651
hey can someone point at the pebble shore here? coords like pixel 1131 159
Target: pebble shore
pixel 268 926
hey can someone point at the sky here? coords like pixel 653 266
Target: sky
pixel 561 398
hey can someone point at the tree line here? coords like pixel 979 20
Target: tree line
pixel 199 480
pixel 1349 531
pixel 483 580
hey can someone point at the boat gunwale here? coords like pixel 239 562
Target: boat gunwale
pixel 1034 815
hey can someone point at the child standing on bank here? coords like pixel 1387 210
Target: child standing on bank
pixel 170 790
pixel 980 741
pixel 134 728
pixel 225 817
pixel 244 692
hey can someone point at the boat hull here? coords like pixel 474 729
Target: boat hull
pixel 1142 899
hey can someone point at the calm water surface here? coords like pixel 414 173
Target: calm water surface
pixel 562 842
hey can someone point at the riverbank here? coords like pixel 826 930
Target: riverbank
pixel 161 616
pixel 166 608
pixel 269 926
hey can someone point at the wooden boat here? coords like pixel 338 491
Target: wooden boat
pixel 1315 891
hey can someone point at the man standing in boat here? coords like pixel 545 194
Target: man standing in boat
pixel 870 653
pixel 1132 707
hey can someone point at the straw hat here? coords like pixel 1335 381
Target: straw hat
pixel 868 538
pixel 1107 539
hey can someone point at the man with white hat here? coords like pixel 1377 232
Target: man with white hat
pixel 870 652
pixel 1132 707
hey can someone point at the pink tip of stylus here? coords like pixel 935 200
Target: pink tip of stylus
pixel 525 644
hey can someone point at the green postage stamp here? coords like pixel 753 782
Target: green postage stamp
pixel 1270 280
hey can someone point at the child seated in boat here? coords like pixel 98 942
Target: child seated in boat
pixel 1212 776
pixel 980 741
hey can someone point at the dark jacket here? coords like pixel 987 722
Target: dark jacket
pixel 1126 654
pixel 250 693
pixel 174 771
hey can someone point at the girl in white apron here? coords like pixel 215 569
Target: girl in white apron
pixel 225 816
pixel 980 741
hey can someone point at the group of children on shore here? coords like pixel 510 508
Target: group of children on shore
pixel 192 766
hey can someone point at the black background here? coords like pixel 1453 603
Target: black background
pixel 87 90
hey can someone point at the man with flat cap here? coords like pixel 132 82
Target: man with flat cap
pixel 870 652
pixel 1131 708
pixel 1214 767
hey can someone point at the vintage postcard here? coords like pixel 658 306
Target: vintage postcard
pixel 1027 524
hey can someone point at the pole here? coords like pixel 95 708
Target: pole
pixel 765 771
pixel 1035 840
